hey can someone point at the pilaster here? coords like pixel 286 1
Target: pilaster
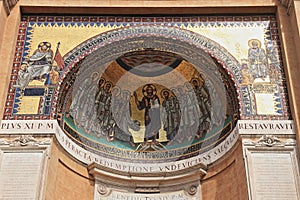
pixel 271 159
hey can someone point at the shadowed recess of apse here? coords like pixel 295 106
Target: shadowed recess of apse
pixel 141 62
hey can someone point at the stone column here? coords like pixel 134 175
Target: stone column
pixel 24 153
pixel 23 166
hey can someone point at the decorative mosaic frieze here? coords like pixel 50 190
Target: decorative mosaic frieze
pixel 39 90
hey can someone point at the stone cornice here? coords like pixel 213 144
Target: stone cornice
pixel 287 4
pixel 9 4
pixel 25 141
pixel 269 141
pixel 147 183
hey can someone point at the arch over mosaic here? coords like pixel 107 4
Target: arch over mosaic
pixel 161 38
pixel 171 111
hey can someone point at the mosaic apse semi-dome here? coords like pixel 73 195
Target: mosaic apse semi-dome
pixel 149 104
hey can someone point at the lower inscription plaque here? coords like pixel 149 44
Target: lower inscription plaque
pixel 20 174
pixel 273 175
pixel 179 195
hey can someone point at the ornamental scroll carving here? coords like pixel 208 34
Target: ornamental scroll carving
pixel 25 140
pixel 270 141
pixel 102 189
pixel 192 190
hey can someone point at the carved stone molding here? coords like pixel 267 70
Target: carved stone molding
pixel 9 4
pixel 120 185
pixel 192 190
pixel 287 4
pixel 102 189
pixel 105 191
pixel 267 133
pixel 25 140
pixel 269 141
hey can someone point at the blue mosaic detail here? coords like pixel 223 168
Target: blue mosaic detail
pixel 34 92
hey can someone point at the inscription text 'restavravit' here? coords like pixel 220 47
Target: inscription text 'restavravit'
pixel 263 126
pixel 266 127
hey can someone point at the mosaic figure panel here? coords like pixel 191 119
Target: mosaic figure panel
pixel 179 112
